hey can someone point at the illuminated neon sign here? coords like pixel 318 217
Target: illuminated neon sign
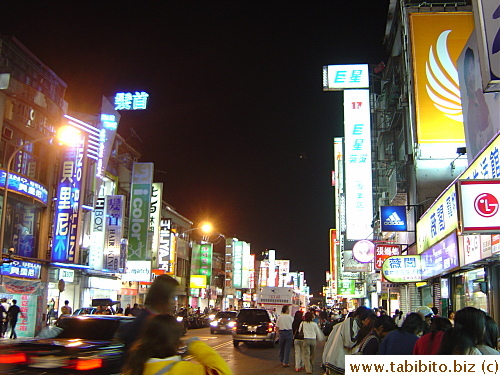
pixel 129 101
pixel 24 185
pixel 64 246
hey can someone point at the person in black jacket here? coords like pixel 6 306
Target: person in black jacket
pixel 12 315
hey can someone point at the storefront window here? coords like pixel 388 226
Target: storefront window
pixel 470 290
pixel 22 227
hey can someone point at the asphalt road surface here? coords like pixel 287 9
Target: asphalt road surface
pixel 251 359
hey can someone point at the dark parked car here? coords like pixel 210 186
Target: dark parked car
pixel 223 321
pixel 255 325
pixel 84 344
pixel 105 304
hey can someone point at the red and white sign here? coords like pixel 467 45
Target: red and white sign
pixel 479 205
pixel 384 251
pixel 495 243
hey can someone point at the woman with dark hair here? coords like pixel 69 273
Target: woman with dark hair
pixel 489 345
pixel 159 300
pixel 456 341
pixel 381 327
pixel 402 340
pixel 473 322
pixel 312 333
pixel 297 319
pixel 430 342
pixel 156 350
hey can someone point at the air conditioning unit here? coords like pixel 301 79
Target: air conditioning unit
pixel 7 133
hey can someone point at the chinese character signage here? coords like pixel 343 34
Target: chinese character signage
pixel 115 213
pixel 131 101
pixel 96 250
pixel 108 126
pixel 165 258
pixel 437 41
pixel 155 216
pixel 68 204
pixel 206 260
pixel 346 287
pixel 440 258
pixel 402 269
pixel 339 77
pixel 247 265
pixel 24 185
pixel 384 251
pixel 439 220
pixel 358 170
pixel 21 268
pixel 479 206
pixel 393 218
pixel 237 263
pixel 140 202
pixel 487 164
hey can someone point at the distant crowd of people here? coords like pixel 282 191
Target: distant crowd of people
pixel 365 331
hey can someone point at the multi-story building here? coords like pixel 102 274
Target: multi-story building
pixel 426 137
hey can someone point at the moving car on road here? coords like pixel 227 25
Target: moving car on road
pixel 255 325
pixel 223 321
pixel 83 344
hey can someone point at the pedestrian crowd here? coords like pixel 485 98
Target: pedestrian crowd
pixel 9 315
pixel 365 331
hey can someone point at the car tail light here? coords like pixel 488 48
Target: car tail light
pixel 84 364
pixel 270 327
pixel 13 358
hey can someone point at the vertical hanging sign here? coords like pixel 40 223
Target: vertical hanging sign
pixel 206 260
pixel 115 209
pixel 358 160
pixel 140 202
pixel 68 205
pixel 155 216
pixel 96 250
pixel 165 247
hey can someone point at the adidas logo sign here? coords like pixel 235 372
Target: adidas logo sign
pixel 394 219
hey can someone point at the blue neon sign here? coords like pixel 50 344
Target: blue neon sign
pixel 393 218
pixel 64 245
pixel 24 185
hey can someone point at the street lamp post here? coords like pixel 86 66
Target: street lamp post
pixel 66 135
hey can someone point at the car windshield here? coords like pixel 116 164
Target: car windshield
pixel 225 315
pixel 88 329
pixel 253 316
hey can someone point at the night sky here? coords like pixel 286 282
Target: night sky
pixel 237 125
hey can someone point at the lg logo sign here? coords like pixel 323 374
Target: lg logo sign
pixel 486 205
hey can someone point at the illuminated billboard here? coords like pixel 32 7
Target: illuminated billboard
pixel 68 206
pixel 437 39
pixel 131 101
pixel 358 164
pixel 340 77
pixel 486 13
pixel 113 232
pixel 438 221
pixel 479 206
pixel 140 204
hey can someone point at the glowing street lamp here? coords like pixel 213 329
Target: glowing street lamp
pixel 66 135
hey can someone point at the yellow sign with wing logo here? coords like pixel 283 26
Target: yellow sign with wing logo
pixel 437 39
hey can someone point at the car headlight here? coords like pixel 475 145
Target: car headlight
pixel 214 323
pixel 231 324
pixel 211 316
pixel 179 319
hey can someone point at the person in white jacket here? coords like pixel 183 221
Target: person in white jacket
pixel 343 338
pixel 312 334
